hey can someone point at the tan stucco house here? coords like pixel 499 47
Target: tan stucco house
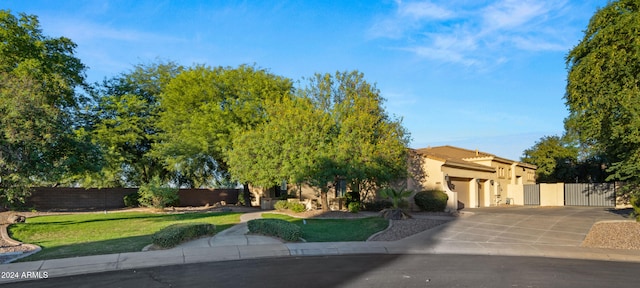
pixel 472 178
pixel 469 177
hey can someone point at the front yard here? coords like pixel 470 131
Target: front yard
pixel 73 235
pixel 84 234
pixel 332 230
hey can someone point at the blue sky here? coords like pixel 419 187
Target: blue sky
pixel 487 75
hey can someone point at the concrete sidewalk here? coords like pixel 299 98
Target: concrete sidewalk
pixel 234 236
pixel 233 244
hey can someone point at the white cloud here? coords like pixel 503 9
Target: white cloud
pixel 537 44
pixel 90 32
pixel 511 14
pixel 481 36
pixel 408 16
pixel 423 10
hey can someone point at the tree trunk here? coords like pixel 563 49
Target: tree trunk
pixel 246 195
pixel 324 200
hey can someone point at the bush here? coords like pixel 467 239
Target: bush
pixel 352 197
pixel 297 207
pixel 241 201
pixel 635 202
pixel 281 205
pixel 354 207
pixel 156 195
pixel 275 227
pixel 132 200
pixel 175 234
pixel 432 201
pixel 377 205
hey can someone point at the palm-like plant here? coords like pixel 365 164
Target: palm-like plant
pixel 396 196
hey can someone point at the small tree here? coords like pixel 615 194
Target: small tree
pixel 396 196
pixel 156 195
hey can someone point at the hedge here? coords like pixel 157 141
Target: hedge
pixel 275 227
pixel 175 234
pixel 293 206
pixel 432 200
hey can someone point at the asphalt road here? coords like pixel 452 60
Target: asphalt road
pixel 367 271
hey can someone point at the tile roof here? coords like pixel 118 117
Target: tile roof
pixel 454 156
pixel 454 152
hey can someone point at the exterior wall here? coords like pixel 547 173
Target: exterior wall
pixel 516 193
pixel 265 198
pixel 526 174
pixel 64 198
pixel 202 197
pixel 434 178
pixel 486 197
pixel 472 194
pixel 46 198
pixel 552 194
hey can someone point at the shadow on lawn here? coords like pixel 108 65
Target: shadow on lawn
pixel 160 217
pixel 102 247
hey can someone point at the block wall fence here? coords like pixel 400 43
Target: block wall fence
pixel 64 198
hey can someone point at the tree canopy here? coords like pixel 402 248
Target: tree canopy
pixel 285 147
pixel 196 126
pixel 335 129
pixel 203 107
pixel 126 114
pixel 39 108
pixel 603 90
pixel 555 159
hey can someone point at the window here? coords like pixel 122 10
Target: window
pixel 501 173
pixel 341 189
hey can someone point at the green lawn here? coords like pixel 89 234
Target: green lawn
pixel 74 235
pixel 334 230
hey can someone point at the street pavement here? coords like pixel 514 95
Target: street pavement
pixel 555 232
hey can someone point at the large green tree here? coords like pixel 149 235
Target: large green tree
pixel 369 148
pixel 201 110
pixel 603 88
pixel 556 159
pixel 126 114
pixel 286 146
pixel 41 141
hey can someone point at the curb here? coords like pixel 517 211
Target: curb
pixel 380 232
pixel 18 255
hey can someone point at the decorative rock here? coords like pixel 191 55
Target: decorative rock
pixel 16 219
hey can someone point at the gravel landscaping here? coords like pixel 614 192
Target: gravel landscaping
pixel 615 235
pixel 404 228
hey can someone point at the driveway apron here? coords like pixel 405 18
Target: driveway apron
pixel 559 226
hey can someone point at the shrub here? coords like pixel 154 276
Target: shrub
pixel 281 205
pixel 376 205
pixel 156 195
pixel 132 200
pixel 175 234
pixel 432 200
pixel 352 197
pixel 241 201
pixel 397 197
pixel 275 227
pixel 354 207
pixel 297 207
pixel 635 202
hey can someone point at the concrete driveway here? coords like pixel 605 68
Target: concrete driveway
pixel 565 226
